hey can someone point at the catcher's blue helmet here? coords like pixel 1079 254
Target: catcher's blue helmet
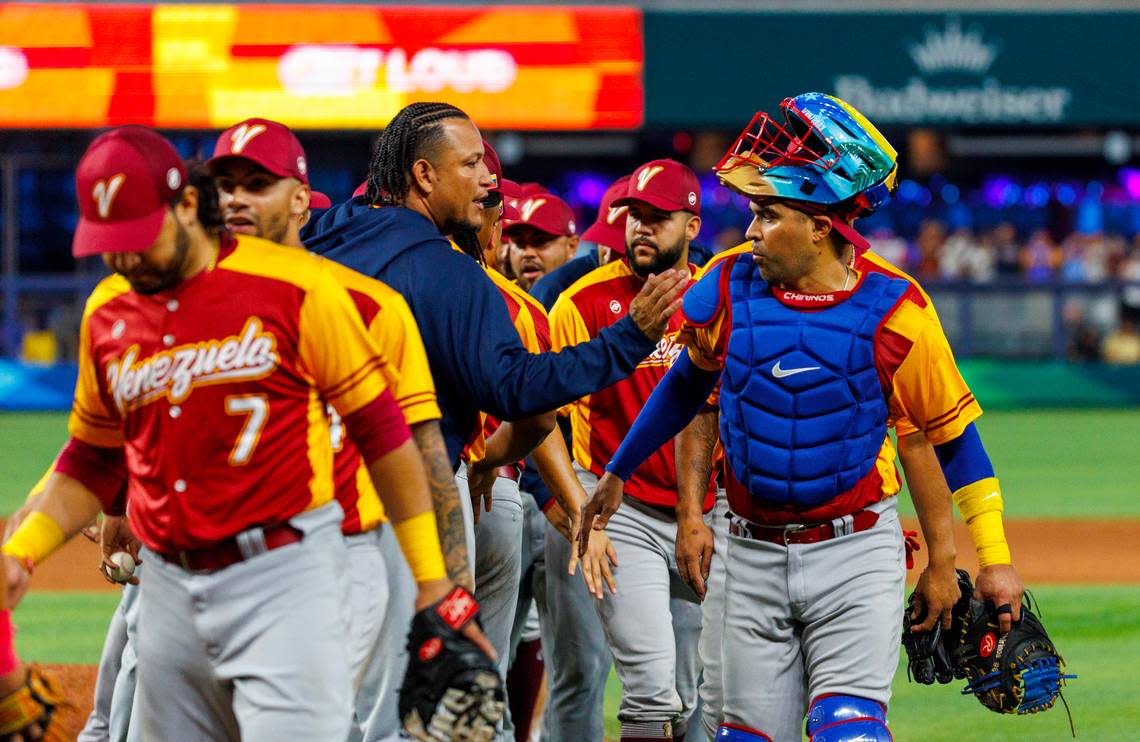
pixel 826 155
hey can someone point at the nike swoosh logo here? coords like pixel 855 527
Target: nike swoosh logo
pixel 780 373
pixel 990 496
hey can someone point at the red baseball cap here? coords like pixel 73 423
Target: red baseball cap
pixel 665 184
pixel 125 183
pixel 270 144
pixel 609 228
pixel 509 189
pixel 546 213
pixel 318 200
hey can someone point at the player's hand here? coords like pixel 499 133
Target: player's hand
pixel 116 536
pixel 597 564
pixel 935 595
pixel 563 523
pixel 17 575
pixel 480 483
pixel 1001 585
pixel 657 302
pixel 432 592
pixel 694 552
pixel 596 513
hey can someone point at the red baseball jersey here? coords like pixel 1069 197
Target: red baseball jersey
pixel 390 322
pixel 601 420
pixel 217 391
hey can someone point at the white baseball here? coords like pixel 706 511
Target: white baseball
pixel 124 566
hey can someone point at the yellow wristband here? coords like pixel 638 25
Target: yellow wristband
pixel 988 534
pixel 419 540
pixel 36 538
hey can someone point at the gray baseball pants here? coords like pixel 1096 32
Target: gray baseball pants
pixel 652 624
pixel 368 602
pixel 257 650
pixel 115 684
pixel 498 564
pixel 384 672
pixel 577 657
pixel 712 623
pixel 806 620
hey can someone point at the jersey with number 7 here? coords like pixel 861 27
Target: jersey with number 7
pixel 217 391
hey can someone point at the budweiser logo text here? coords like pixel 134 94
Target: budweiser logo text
pixel 175 372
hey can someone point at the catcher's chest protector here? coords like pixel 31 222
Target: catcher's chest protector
pixel 803 413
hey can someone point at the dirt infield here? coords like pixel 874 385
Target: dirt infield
pixel 1045 551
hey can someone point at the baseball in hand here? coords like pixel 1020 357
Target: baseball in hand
pixel 124 566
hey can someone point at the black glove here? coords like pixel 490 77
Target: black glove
pixel 1019 673
pixel 930 654
pixel 452 689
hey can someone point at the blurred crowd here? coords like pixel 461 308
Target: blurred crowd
pixel 1000 253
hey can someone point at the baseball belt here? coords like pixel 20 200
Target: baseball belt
pixel 805 533
pixel 238 548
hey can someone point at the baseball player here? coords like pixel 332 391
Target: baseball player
pixel 501 532
pixel 815 358
pixel 652 622
pixel 607 233
pixel 261 172
pixel 541 239
pixel 243 599
pixel 429 180
pixel 700 548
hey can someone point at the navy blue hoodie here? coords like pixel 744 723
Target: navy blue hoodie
pixel 476 357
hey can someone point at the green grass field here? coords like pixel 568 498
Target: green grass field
pixel 1053 464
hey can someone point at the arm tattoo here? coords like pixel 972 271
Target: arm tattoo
pixel 694 451
pixel 445 498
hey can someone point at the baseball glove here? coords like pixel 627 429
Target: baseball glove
pixel 930 654
pixel 28 710
pixel 1019 673
pixel 452 689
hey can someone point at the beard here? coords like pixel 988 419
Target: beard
pixel 662 260
pixel 154 280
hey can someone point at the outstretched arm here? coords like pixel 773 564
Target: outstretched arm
pixel 676 400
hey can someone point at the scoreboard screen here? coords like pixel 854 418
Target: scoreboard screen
pixel 322 66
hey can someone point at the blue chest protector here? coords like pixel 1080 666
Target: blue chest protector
pixel 803 414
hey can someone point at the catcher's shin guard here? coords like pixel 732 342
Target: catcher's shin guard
pixel 736 733
pixel 839 718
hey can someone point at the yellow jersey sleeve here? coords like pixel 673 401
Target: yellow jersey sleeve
pixel 346 364
pixel 928 392
pixel 568 328
pixel 395 331
pixel 94 418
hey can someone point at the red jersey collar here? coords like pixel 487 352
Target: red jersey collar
pixel 798 300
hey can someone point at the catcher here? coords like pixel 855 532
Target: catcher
pixel 1010 672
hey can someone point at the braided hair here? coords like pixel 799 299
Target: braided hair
pixel 414 131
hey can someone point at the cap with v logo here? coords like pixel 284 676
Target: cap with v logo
pixel 665 184
pixel 609 228
pixel 270 144
pixel 546 213
pixel 125 183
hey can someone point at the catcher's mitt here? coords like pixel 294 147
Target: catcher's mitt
pixel 930 654
pixel 452 689
pixel 1019 673
pixel 28 710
